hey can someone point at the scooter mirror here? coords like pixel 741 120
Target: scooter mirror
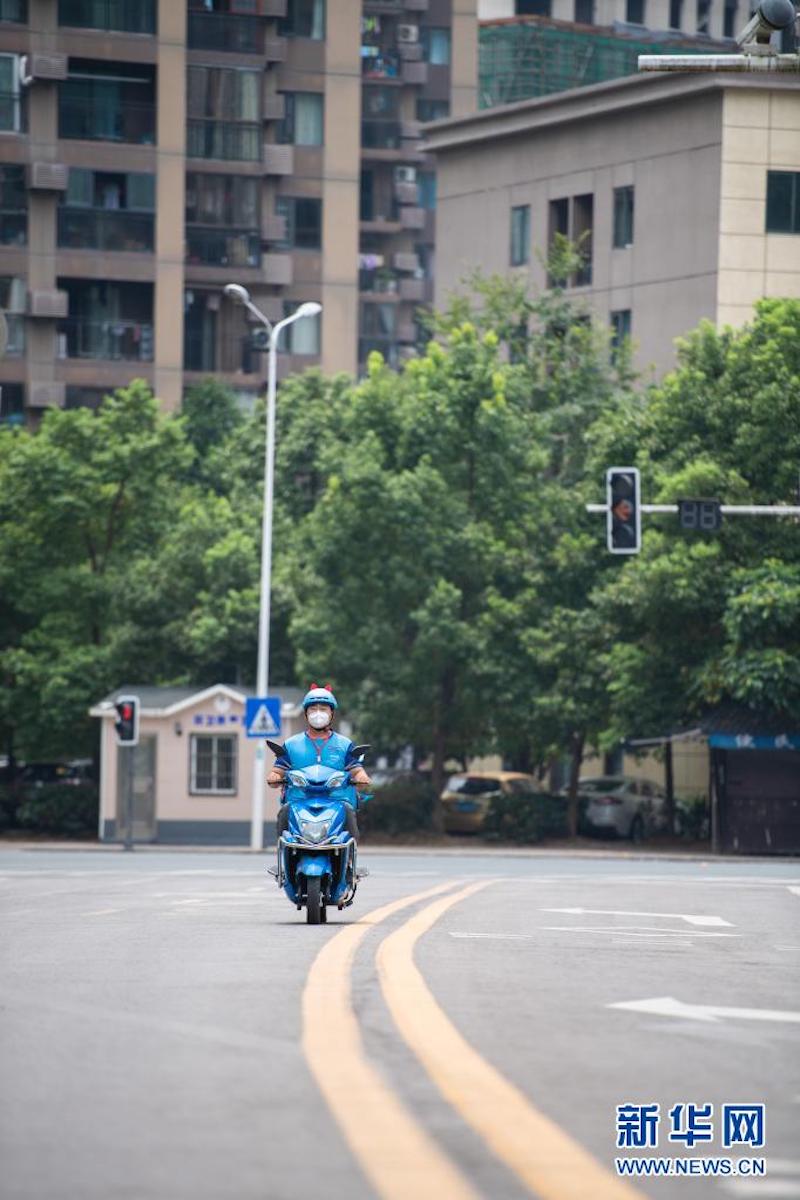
pixel 276 748
pixel 359 752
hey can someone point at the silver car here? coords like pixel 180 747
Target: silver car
pixel 629 808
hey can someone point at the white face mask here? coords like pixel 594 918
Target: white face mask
pixel 318 718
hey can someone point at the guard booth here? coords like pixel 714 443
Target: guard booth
pixel 193 766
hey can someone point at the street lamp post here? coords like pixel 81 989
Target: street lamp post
pixel 241 296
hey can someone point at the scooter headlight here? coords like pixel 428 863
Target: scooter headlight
pixel 337 780
pixel 297 779
pixel 315 831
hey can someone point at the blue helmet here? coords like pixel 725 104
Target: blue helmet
pixel 319 695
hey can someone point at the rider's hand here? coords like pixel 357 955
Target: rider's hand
pixel 275 777
pixel 359 777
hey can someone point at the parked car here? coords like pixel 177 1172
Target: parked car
pixel 625 807
pixel 38 774
pixel 467 797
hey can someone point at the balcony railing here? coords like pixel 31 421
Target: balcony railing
pixel 225 31
pixel 100 229
pixel 95 121
pixel 119 16
pixel 382 281
pixel 201 353
pixel 381 135
pixel 129 341
pixel 239 141
pixel 223 247
pixel 383 65
pixel 13 227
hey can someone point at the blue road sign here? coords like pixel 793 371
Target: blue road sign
pixel 262 716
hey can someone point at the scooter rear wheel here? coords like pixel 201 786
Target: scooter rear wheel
pixel 314 907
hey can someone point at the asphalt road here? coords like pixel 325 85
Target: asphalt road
pixel 170 1027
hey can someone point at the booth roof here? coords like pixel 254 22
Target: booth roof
pixel 156 701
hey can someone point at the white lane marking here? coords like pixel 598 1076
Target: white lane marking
pixel 795 891
pixel 100 912
pixel 668 1006
pixel 617 930
pixel 613 912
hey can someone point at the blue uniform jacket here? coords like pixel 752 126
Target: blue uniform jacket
pixel 304 751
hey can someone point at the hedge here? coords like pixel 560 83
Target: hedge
pixel 59 808
pixel 525 817
pixel 403 806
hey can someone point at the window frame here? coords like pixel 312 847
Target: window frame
pixel 520 242
pixel 794 203
pixel 214 789
pixel 624 215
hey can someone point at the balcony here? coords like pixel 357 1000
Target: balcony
pixel 382 282
pixel 101 229
pixel 417 6
pixel 381 135
pixel 117 16
pixel 231 32
pixel 223 247
pixel 203 352
pixel 232 141
pixel 93 120
pixel 379 65
pixel 110 340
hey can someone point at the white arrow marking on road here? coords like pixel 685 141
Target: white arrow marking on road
pixel 795 891
pixel 610 912
pixel 668 1006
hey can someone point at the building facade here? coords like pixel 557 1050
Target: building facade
pixel 684 188
pixel 693 18
pixel 152 151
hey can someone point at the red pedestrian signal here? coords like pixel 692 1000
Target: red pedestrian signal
pixel 624 511
pixel 127 722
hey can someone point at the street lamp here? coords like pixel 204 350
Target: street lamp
pixel 240 295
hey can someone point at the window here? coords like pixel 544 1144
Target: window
pixel 301 337
pixel 436 46
pixel 14 10
pixel 107 210
pixel 584 12
pixel 533 8
pixel 783 201
pixel 703 14
pixel 426 189
pixel 432 110
pixel 222 200
pixel 213 763
pixel 620 329
pixel 573 218
pixel 623 217
pixel 303 222
pixel 224 114
pixel 108 102
pixel 125 16
pixel 729 19
pixel 304 19
pixel 12 303
pixel 379 320
pixel 12 404
pixel 302 124
pixel 13 206
pixel 675 14
pixel 520 234
pixel 10 105
pixel 634 12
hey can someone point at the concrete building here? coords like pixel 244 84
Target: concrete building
pixel 688 184
pixel 153 150
pixel 702 18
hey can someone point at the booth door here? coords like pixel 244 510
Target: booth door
pixel 141 760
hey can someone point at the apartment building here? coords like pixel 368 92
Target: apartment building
pixel 152 151
pixel 695 18
pixel 683 189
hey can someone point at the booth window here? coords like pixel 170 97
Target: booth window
pixel 213 764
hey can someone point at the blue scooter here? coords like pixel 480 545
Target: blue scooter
pixel 317 856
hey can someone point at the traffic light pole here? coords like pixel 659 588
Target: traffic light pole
pixel 128 843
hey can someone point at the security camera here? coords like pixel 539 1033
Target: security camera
pixel 770 17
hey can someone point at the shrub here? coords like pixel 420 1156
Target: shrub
pixel 56 808
pixel 402 806
pixel 525 817
pixel 9 802
pixel 693 818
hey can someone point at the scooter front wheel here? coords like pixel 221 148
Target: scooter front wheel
pixel 314 905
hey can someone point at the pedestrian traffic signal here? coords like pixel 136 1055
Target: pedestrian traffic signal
pixel 623 510
pixel 127 722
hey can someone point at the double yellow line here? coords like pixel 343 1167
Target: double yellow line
pixel 395 1152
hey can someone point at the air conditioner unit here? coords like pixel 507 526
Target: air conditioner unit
pixel 408 33
pixel 405 174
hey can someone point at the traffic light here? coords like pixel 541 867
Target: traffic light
pixel 623 510
pixel 127 722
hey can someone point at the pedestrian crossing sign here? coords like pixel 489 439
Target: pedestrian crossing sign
pixel 262 716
